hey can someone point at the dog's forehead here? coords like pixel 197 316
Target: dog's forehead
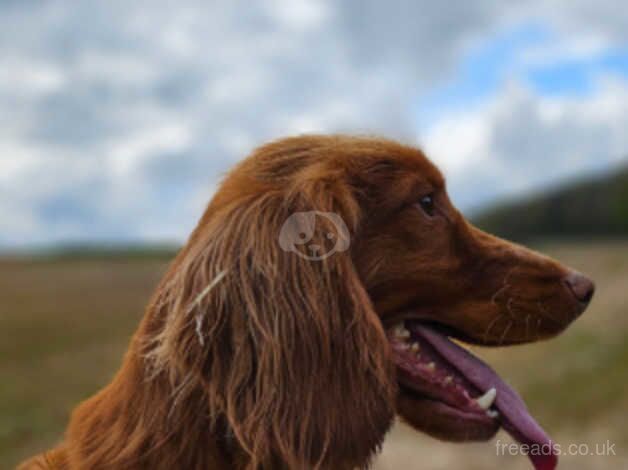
pixel 405 162
pixel 414 162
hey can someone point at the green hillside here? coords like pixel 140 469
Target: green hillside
pixel 598 207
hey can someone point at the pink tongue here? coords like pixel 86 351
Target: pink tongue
pixel 514 415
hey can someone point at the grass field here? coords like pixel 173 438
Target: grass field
pixel 65 323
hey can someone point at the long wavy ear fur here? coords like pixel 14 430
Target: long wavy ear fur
pixel 289 351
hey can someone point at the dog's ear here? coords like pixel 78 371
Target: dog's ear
pixel 289 350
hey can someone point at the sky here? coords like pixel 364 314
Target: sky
pixel 118 119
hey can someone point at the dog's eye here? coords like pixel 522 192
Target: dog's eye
pixel 427 204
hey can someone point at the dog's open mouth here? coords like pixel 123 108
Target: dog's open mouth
pixel 448 381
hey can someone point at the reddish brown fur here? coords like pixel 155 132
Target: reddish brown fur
pixel 251 357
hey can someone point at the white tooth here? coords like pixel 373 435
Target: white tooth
pixel 492 413
pixel 486 400
pixel 401 332
pixel 448 380
pixel 431 366
pixel 415 347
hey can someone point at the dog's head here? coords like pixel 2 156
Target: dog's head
pixel 317 296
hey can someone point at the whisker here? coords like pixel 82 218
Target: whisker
pixel 505 332
pixel 509 308
pixel 490 326
pixel 505 285
pixel 545 314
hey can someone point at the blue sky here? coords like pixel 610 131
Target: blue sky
pixel 118 120
pixel 501 57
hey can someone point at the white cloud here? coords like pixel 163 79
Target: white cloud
pixel 115 69
pixel 26 77
pixel 564 49
pixel 17 158
pixel 517 141
pixel 127 153
pixel 299 14
pixel 459 143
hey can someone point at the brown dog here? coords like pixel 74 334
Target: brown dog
pixel 313 302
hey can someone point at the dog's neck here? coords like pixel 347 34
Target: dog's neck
pixel 135 423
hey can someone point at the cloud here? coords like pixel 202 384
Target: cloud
pixel 119 118
pixel 518 141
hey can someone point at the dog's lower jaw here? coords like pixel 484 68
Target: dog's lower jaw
pixel 414 410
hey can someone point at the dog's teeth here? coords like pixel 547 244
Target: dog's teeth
pixel 492 413
pixel 415 347
pixel 431 366
pixel 401 332
pixel 448 380
pixel 486 400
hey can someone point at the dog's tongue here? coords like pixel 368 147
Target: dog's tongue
pixel 515 417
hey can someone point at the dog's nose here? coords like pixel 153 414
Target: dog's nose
pixel 580 286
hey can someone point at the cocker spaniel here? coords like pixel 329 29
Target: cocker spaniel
pixel 316 299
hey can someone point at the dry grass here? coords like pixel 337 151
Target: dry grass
pixel 64 325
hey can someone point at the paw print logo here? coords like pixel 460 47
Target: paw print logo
pixel 314 235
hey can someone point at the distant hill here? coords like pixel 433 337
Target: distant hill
pixel 597 207
pixel 91 251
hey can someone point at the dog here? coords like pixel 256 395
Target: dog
pixel 315 300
